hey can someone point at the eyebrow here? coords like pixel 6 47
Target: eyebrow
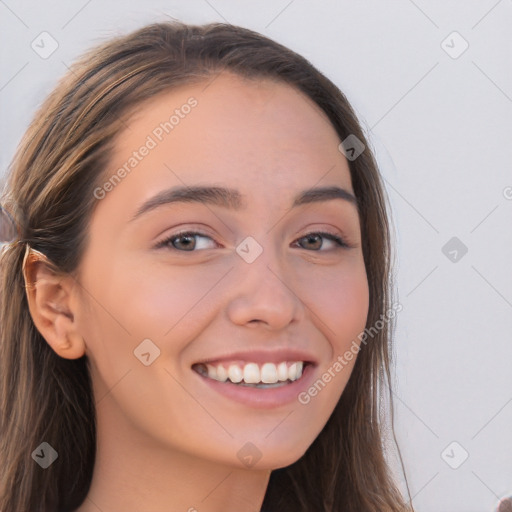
pixel 232 199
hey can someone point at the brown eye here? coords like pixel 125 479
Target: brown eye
pixel 185 241
pixel 316 242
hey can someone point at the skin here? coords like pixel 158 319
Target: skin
pixel 166 441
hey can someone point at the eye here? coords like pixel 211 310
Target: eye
pixel 184 241
pixel 316 240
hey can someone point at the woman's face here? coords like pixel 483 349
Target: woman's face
pixel 256 284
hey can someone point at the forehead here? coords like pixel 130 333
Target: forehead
pixel 256 105
pixel 255 135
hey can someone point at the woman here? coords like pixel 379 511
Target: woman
pixel 196 315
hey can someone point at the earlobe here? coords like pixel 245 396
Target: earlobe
pixel 48 296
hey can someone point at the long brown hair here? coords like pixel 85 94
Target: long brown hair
pixel 57 166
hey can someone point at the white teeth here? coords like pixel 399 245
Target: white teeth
pixel 252 373
pixel 295 371
pixel 300 366
pixel 235 374
pixel 212 372
pixel 269 373
pixel 282 371
pixel 217 372
pixel 222 373
pixel 292 371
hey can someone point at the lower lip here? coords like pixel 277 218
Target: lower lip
pixel 262 398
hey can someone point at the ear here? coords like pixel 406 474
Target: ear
pixel 49 298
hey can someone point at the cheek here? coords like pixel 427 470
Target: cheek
pixel 163 303
pixel 350 311
pixel 340 301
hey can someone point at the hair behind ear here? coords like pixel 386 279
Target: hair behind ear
pixel 37 385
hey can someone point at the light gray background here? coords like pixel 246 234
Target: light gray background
pixel 441 128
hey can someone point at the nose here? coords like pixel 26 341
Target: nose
pixel 263 294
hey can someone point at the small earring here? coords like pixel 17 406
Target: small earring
pixel 33 255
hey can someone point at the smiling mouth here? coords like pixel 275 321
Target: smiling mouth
pixel 266 375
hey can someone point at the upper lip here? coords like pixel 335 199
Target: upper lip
pixel 263 356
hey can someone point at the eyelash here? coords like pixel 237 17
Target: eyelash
pixel 166 243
